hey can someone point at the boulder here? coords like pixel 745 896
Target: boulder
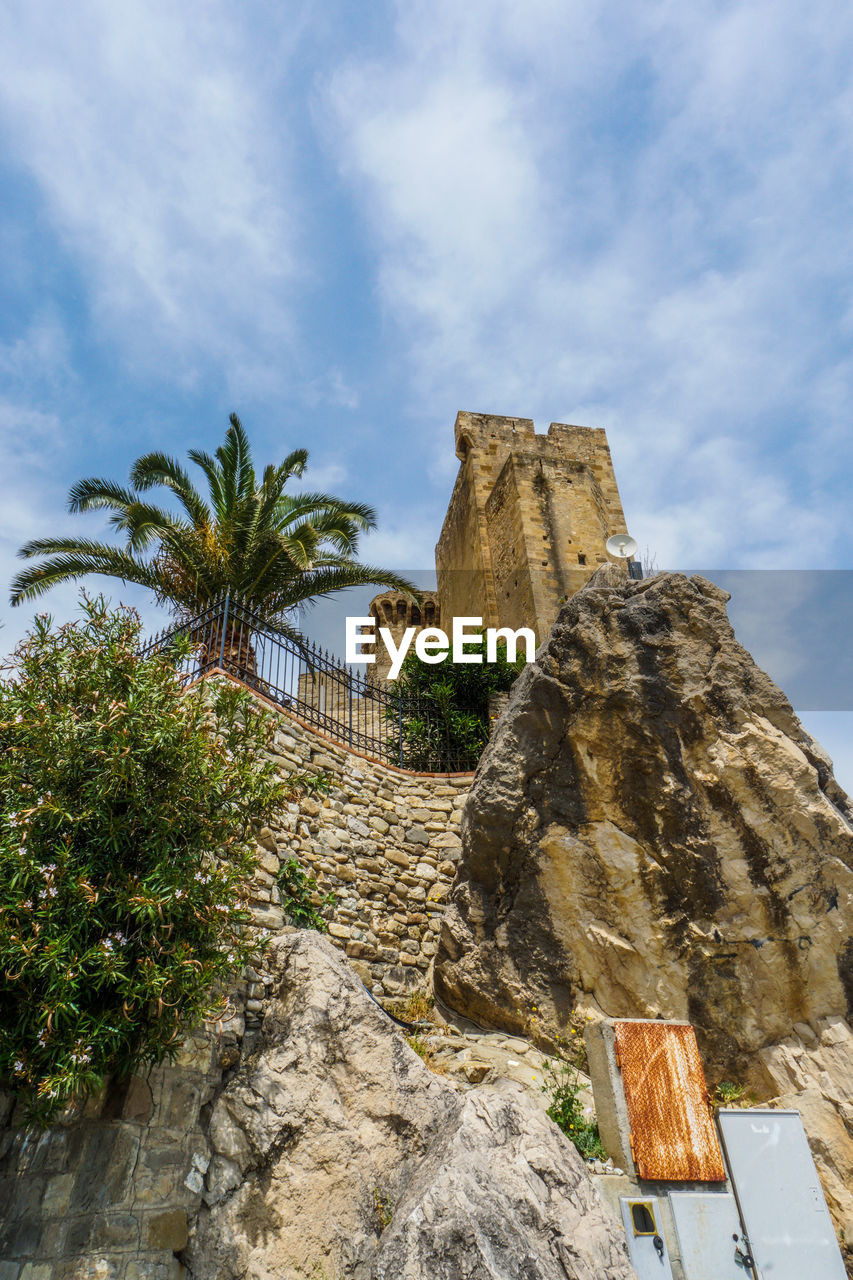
pixel 337 1154
pixel 652 832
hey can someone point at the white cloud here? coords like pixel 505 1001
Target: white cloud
pixel 151 133
pixel 635 218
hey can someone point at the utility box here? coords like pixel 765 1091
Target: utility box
pixel 641 1217
pixel 706 1224
pixel 781 1201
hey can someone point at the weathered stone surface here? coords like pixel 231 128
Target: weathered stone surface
pixel 336 1151
pixel 652 831
pixel 497 1197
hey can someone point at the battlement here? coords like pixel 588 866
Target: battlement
pixel 525 527
pixel 476 430
pixel 397 612
pixel 527 521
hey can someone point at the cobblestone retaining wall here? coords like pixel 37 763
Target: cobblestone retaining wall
pixel 384 841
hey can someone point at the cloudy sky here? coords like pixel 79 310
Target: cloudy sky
pixel 348 222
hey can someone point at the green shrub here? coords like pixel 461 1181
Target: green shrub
pixel 563 1085
pixel 127 808
pixel 446 709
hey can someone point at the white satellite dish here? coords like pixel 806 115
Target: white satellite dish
pixel 621 545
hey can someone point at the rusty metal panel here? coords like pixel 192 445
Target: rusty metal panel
pixel 673 1138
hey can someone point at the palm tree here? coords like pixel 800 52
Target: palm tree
pixel 272 550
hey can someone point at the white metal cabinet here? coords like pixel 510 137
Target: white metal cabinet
pixel 705 1224
pixel 780 1198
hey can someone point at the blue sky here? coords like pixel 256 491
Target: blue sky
pixel 348 222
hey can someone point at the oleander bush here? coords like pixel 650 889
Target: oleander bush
pixel 127 812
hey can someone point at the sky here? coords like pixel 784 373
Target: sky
pixel 346 223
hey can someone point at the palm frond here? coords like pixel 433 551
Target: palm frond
pixel 212 471
pixel 94 493
pixel 102 560
pixel 158 468
pixel 302 506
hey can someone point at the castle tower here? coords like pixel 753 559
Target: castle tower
pixel 527 521
pixel 395 611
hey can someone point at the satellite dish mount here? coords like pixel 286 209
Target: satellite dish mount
pixel 623 547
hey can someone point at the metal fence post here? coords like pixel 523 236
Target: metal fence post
pixel 400 723
pixel 224 626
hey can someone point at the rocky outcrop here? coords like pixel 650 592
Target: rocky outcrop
pixel 652 832
pixel 336 1153
pixel 811 1071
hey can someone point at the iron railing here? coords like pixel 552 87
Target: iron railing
pixel 368 716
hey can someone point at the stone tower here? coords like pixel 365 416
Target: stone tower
pixel 395 611
pixel 527 521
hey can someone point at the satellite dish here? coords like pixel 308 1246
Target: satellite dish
pixel 621 545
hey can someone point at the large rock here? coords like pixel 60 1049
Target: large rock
pixel 651 831
pixel 338 1154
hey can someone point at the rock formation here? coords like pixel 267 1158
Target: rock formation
pixel 337 1153
pixel 651 831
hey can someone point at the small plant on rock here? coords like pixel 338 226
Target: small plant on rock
pixel 425 1053
pixel 417 1007
pixel 563 1086
pixel 298 892
pixel 730 1094
pixel 383 1209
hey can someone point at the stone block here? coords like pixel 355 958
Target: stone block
pixel 417 835
pixel 57 1195
pixel 20 1238
pixel 167 1230
pixel 154 1269
pixel 138 1102
pixel 360 951
pixel 268 917
pixel 196 1053
pixel 108 1163
pixel 114 1232
pixel 179 1107
pixel 398 857
pixel 269 861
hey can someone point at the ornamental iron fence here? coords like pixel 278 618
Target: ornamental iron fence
pixel 367 715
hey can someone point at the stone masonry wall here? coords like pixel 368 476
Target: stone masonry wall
pixel 107 1193
pixel 384 841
